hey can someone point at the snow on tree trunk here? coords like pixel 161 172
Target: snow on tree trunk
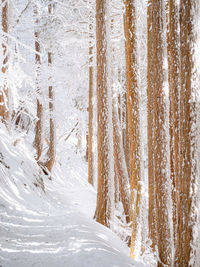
pixel 133 119
pixel 173 51
pixel 187 217
pixel 150 114
pixel 51 151
pixel 4 101
pixel 90 108
pixel 38 129
pixel 105 192
pixel 160 179
pixel 120 163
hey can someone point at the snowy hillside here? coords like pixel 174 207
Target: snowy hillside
pixel 53 227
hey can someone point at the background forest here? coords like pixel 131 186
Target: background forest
pixel 99 133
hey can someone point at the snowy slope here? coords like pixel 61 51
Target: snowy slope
pixel 55 227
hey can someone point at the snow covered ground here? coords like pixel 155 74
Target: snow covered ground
pixel 55 227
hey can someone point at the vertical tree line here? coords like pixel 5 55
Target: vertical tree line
pixel 170 103
pixel 104 137
pixel 171 124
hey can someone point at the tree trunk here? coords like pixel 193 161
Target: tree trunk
pixel 173 49
pixel 90 109
pixel 4 99
pixel 125 134
pixel 51 151
pixel 162 179
pixel 187 139
pixel 120 163
pixel 151 113
pixel 38 129
pixel 133 118
pixel 105 194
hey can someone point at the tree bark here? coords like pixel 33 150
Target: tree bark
pixel 4 98
pixel 90 109
pixel 51 151
pixel 187 139
pixel 133 118
pixel 104 121
pixel 173 51
pixel 38 129
pixel 120 163
pixel 150 114
pixel 159 180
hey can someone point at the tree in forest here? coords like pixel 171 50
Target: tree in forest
pixel 125 132
pixel 185 249
pixel 173 55
pixel 105 194
pixel 133 118
pixel 159 180
pixel 51 150
pixel 38 129
pixel 120 162
pixel 90 107
pixel 4 97
pixel 121 177
pixel 150 130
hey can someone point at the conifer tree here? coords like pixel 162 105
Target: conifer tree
pixel 105 193
pixel 4 97
pixel 185 248
pixel 133 118
pixel 150 129
pixel 51 151
pixel 158 139
pixel 38 129
pixel 173 51
pixel 90 108
pixel 120 163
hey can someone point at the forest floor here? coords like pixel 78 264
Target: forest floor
pixel 55 227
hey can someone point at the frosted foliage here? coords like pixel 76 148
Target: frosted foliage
pixel 46 219
pixel 65 34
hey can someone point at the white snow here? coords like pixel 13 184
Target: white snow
pixel 55 227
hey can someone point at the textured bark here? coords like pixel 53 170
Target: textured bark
pixel 159 180
pixel 151 165
pixel 90 108
pixel 103 208
pixel 133 117
pixel 38 129
pixel 51 151
pixel 187 138
pixel 125 133
pixel 4 100
pixel 173 50
pixel 120 163
pixel 163 198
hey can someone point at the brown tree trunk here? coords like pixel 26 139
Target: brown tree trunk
pixel 38 129
pixel 162 179
pixel 151 113
pixel 51 151
pixel 104 112
pixel 90 108
pixel 173 50
pixel 120 163
pixel 187 138
pixel 125 133
pixel 4 99
pixel 133 117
